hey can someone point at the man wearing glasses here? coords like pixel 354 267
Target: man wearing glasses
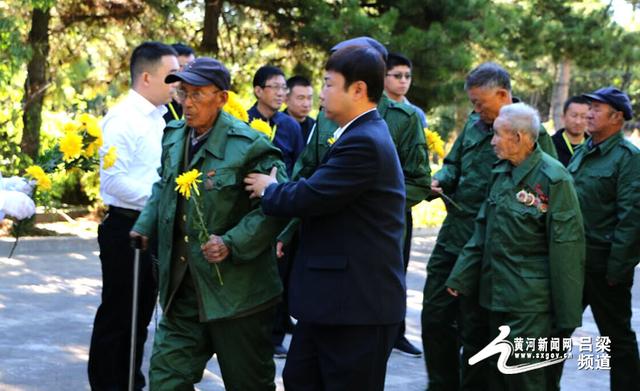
pixel 398 81
pixel 270 89
pixel 230 314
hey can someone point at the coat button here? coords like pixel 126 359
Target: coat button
pixel 184 217
pixel 183 259
pixel 186 239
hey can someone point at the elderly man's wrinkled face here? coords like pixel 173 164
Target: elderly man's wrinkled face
pixel 602 119
pixel 488 101
pixel 201 105
pixel 506 143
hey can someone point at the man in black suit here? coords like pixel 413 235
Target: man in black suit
pixel 347 288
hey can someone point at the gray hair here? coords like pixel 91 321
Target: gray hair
pixel 488 75
pixel 522 118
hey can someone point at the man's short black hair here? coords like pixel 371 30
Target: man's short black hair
pixel 396 59
pixel 360 63
pixel 297 80
pixel 183 50
pixel 147 56
pixel 265 73
pixel 578 99
pixel 488 75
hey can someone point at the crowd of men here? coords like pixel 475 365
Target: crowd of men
pixel 316 225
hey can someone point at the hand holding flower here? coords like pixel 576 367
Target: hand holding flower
pixel 214 250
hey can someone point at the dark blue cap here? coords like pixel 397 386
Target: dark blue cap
pixel 363 41
pixel 203 71
pixel 614 98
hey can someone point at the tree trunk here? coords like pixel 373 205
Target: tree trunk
pixel 560 92
pixel 36 83
pixel 212 11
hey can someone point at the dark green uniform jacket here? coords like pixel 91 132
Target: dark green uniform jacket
pixel 607 179
pixel 465 176
pixel 527 255
pixel 250 275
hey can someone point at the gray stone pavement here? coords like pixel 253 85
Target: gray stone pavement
pixel 50 290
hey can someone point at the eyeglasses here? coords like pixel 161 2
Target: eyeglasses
pixel 400 75
pixel 196 96
pixel 282 88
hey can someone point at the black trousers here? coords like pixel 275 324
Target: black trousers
pixel 406 254
pixel 611 307
pixel 338 357
pixel 111 338
pixel 282 324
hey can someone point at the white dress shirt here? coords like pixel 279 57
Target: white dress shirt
pixel 134 126
pixel 339 131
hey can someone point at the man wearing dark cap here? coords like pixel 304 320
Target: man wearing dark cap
pixel 606 172
pixel 231 314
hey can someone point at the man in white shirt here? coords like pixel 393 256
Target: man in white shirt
pixel 134 127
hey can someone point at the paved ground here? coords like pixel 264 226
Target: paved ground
pixel 50 290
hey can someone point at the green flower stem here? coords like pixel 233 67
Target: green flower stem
pixel 204 234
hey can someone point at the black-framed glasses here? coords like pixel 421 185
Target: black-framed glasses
pixel 282 88
pixel 196 96
pixel 400 75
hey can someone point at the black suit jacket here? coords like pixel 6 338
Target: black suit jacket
pixel 348 268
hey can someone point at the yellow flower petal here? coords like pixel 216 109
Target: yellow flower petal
pixel 234 107
pixel 109 158
pixel 71 146
pixel 263 127
pixel 188 181
pixel 434 142
pixel 42 180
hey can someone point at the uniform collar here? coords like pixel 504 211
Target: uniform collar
pixel 519 172
pixel 606 145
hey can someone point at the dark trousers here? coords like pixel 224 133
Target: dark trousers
pixel 406 254
pixel 283 324
pixel 611 307
pixel 338 357
pixel 449 323
pixel 111 338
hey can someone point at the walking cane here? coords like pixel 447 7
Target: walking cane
pixel 136 243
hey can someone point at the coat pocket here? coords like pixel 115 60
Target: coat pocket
pixel 329 262
pixel 566 226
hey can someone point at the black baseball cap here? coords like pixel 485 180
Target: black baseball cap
pixel 362 41
pixel 614 98
pixel 203 71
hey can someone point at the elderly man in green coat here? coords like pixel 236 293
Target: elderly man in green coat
pixel 464 178
pixel 525 259
pixel 218 289
pixel 606 171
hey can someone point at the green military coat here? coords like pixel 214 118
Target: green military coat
pixel 250 274
pixel 527 249
pixel 607 179
pixel 465 176
pixel 407 134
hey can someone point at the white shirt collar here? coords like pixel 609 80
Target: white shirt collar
pixel 146 107
pixel 339 131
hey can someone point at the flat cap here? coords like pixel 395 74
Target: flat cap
pixel 363 41
pixel 613 97
pixel 203 71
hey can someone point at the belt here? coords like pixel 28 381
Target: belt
pixel 130 213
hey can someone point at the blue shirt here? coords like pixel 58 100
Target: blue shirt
pixel 423 117
pixel 288 136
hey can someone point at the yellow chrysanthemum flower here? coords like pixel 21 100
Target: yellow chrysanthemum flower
pixel 234 107
pixel 71 126
pixel 109 158
pixel 71 146
pixel 263 127
pixel 186 182
pixel 434 142
pixel 91 123
pixel 42 180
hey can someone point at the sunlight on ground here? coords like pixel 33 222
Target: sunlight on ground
pixel 75 286
pixel 79 353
